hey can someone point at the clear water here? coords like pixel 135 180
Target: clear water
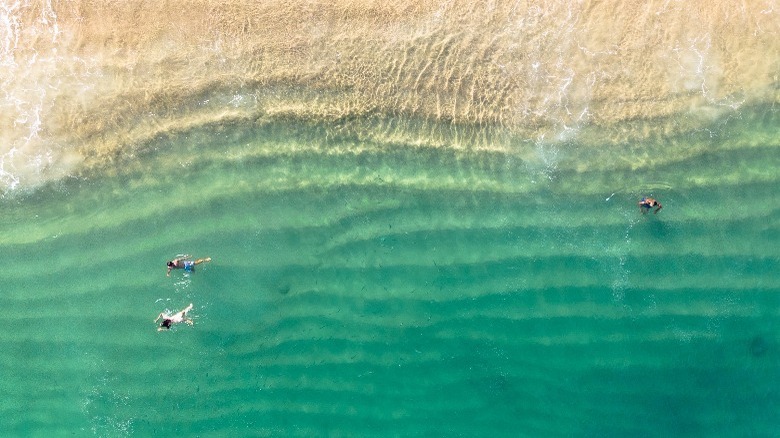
pixel 397 274
pixel 380 308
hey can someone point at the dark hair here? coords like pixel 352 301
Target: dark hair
pixel 166 323
pixel 170 263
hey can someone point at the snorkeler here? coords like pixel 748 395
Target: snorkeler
pixel 183 263
pixel 647 203
pixel 169 320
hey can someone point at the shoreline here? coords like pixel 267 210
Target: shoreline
pixel 83 88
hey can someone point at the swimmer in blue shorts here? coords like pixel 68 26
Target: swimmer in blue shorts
pixel 647 203
pixel 184 263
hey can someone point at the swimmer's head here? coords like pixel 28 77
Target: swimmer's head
pixel 170 264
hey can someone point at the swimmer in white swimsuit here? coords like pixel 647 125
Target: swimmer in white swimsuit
pixel 169 320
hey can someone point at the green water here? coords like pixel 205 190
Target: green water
pixel 388 289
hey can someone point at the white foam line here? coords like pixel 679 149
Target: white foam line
pixel 11 26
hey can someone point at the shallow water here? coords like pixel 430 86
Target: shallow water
pixel 376 307
pixel 391 270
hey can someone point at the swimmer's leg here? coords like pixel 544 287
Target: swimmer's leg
pixel 184 315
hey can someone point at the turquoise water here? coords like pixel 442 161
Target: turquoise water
pixel 390 289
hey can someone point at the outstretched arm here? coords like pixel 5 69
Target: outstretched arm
pixel 161 315
pixel 659 208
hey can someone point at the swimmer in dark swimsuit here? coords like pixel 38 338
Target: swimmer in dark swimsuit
pixel 184 263
pixel 647 203
pixel 169 320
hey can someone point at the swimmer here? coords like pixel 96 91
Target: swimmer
pixel 184 263
pixel 647 203
pixel 169 320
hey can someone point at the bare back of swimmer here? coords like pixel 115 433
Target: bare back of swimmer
pixel 648 203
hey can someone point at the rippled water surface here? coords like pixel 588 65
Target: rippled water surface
pixel 422 219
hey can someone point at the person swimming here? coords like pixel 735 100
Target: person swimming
pixel 169 320
pixel 647 203
pixel 183 262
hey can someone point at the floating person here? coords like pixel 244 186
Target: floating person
pixel 183 262
pixel 647 203
pixel 169 320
